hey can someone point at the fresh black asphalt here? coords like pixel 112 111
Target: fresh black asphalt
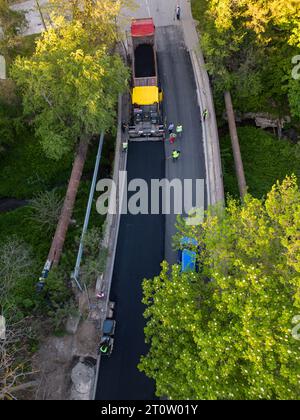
pixel 181 107
pixel 139 254
pixel 144 241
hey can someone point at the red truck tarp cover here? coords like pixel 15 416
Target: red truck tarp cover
pixel 142 27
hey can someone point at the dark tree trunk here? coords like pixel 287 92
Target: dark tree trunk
pixel 67 210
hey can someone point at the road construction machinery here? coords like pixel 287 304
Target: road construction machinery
pixel 146 96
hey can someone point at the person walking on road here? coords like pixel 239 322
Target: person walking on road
pixel 178 12
pixel 172 138
pixel 179 130
pixel 171 128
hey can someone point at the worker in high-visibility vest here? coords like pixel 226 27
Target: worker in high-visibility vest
pixel 179 129
pixel 205 114
pixel 104 348
pixel 175 155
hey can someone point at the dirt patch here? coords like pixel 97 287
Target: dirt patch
pixel 57 356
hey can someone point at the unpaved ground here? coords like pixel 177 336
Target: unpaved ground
pixel 58 355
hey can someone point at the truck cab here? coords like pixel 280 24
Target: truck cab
pixel 146 115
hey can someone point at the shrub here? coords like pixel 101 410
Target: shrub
pixel 266 160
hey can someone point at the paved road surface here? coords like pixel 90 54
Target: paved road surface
pixel 139 254
pixel 145 240
pixel 180 104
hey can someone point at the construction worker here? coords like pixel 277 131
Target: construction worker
pixel 104 348
pixel 172 138
pixel 179 129
pixel 124 127
pixel 175 155
pixel 205 114
pixel 105 345
pixel 171 128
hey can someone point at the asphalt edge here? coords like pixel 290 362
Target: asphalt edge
pixel 110 239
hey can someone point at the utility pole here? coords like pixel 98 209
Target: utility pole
pixel 239 167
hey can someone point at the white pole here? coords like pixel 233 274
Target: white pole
pixel 75 274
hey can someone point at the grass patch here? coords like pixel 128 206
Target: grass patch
pixel 25 171
pixel 26 159
pixel 266 159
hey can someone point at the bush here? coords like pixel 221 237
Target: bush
pixel 57 289
pixel 46 209
pixel 266 160
pixel 25 171
pixel 95 256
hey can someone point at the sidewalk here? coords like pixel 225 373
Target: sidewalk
pixel 215 187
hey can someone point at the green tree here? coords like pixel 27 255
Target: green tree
pixel 70 87
pixel 230 337
pixel 11 23
pixel 10 114
pixel 103 19
pixel 15 265
pixel 248 47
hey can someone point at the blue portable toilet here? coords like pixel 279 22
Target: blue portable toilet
pixel 186 257
pixel 189 259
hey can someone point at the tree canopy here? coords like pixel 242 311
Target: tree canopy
pixel 230 337
pixel 70 86
pixel 99 17
pixel 11 25
pixel 249 46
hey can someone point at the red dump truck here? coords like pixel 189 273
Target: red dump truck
pixel 146 118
